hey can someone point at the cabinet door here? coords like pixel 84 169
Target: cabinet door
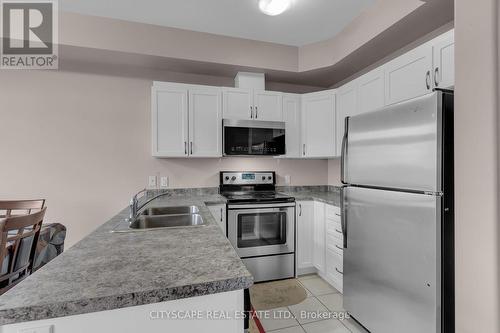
pixel 237 103
pixel 291 116
pixel 318 125
pixel 170 121
pixel 444 60
pixel 346 106
pixel 371 91
pixel 305 230
pixel 268 105
pixel 205 122
pixel 319 236
pixel 219 214
pixel 409 75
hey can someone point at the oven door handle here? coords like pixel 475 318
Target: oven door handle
pixel 261 206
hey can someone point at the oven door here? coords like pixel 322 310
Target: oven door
pixel 262 229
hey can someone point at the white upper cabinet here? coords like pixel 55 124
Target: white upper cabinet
pixel 346 106
pixel 247 104
pixel 444 60
pixel 170 121
pixel 205 125
pixel 409 75
pixel 318 124
pixel 186 120
pixel 237 103
pixel 268 105
pixel 371 90
pixel 291 116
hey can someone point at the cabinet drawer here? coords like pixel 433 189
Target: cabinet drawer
pixel 332 212
pixel 333 226
pixel 334 265
pixel 335 243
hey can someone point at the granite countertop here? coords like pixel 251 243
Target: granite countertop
pixel 106 271
pixel 327 194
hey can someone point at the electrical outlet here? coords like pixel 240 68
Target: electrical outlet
pixel 164 181
pixel 288 180
pixel 152 181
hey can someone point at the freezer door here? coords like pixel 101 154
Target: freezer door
pixel 396 147
pixel 392 260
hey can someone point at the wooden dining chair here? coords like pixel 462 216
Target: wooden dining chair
pixel 18 239
pixel 20 207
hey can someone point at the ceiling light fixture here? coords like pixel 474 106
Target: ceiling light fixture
pixel 274 7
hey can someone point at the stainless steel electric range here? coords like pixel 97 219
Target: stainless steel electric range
pixel 260 223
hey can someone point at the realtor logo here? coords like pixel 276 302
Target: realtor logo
pixel 29 34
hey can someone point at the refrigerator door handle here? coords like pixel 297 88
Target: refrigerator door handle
pixel 343 217
pixel 343 154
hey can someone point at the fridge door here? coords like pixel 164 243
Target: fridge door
pixel 392 260
pixel 396 147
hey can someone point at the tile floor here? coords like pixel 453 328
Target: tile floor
pixel 321 298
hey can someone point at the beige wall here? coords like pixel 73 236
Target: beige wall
pixel 476 179
pixel 83 142
pixel 334 172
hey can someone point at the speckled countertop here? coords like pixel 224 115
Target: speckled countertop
pixel 106 271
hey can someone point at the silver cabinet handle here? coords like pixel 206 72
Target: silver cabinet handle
pixel 221 211
pixel 338 247
pixel 256 113
pixel 339 231
pixel 436 75
pixel 191 146
pixel 304 149
pixel 251 112
pixel 300 209
pixel 339 271
pixel 185 148
pixel 428 80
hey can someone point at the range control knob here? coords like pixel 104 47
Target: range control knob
pixel 263 177
pixel 269 177
pixel 227 178
pixel 233 178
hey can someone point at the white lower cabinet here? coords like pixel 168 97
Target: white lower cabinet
pixel 219 214
pixel 334 248
pixel 319 237
pixel 305 227
pixel 320 241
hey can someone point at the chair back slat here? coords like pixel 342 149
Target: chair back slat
pixel 20 207
pixel 18 239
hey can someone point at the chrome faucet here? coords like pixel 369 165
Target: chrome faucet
pixel 134 204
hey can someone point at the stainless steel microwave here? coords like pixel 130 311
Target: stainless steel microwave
pixel 253 137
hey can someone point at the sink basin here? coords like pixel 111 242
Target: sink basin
pixel 171 210
pixel 166 221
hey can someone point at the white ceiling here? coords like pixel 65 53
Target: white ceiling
pixel 307 21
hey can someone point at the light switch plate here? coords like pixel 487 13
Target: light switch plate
pixel 41 329
pixel 152 180
pixel 288 179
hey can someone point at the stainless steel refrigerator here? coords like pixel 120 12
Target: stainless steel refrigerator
pixel 397 216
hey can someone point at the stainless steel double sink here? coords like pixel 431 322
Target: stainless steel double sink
pixel 167 217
